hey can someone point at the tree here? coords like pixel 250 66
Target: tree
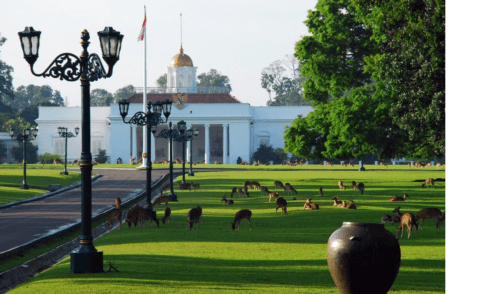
pixel 264 153
pixel 124 93
pixel 162 83
pixel 3 151
pixel 213 78
pixel 101 97
pixel 18 124
pixel 6 88
pixel 35 95
pixel 57 99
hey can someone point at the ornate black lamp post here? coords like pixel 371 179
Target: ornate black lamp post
pixel 26 135
pixel 149 119
pixel 182 127
pixel 195 133
pixel 63 132
pixel 87 68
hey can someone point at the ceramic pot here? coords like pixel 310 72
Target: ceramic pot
pixel 363 258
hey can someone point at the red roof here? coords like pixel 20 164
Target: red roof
pixel 192 98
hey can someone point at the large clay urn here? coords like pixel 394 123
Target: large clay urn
pixel 363 258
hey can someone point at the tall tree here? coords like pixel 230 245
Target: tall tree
pixel 101 97
pixel 6 88
pixel 162 83
pixel 213 78
pixel 124 92
pixel 35 95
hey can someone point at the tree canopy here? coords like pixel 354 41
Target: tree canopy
pixel 124 92
pixel 378 66
pixel 213 78
pixel 6 87
pixel 101 97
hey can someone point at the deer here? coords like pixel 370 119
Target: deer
pixel 309 205
pixel 429 181
pixel 391 219
pixel 185 186
pixel 340 185
pixel 278 184
pixel 194 217
pixel 132 216
pixel 273 195
pixel 227 201
pixel 321 192
pixel 195 186
pixel 342 204
pixel 161 199
pixel 351 205
pixel 354 185
pixel 336 201
pixel 288 188
pixel 119 160
pixel 255 185
pixel 247 184
pixel 76 162
pixel 408 220
pixel 241 193
pixel 167 215
pixel 397 198
pixel 281 203
pixel 116 214
pixel 240 215
pixel 429 212
pixel 234 190
pixel 264 189
pixel 132 160
pixel 361 188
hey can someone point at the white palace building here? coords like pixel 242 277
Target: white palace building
pixel 228 128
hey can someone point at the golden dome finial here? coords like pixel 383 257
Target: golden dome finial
pixel 181 49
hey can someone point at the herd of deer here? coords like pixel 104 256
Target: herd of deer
pixel 409 220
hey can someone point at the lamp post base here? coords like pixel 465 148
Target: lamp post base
pixel 24 186
pixel 86 262
pixel 172 197
pixel 191 174
pixel 362 168
pixel 64 173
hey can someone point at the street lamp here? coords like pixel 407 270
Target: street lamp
pixel 22 138
pixel 87 68
pixel 150 119
pixel 182 126
pixel 63 132
pixel 195 133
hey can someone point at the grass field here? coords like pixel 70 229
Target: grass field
pixel 283 253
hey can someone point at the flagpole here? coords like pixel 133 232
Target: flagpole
pixel 145 151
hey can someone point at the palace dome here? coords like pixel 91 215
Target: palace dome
pixel 181 59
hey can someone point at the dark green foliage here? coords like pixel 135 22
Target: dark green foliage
pixel 213 78
pixel 6 88
pixel 31 152
pixel 266 153
pixel 49 158
pixel 162 83
pixel 124 93
pixel 102 158
pixel 239 160
pixel 101 97
pixel 280 155
pixel 3 151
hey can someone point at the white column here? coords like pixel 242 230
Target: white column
pixel 225 146
pixel 134 142
pixel 207 154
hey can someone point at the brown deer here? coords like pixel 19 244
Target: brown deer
pixel 351 205
pixel 119 160
pixel 336 201
pixel 342 204
pixel 408 220
pixel 288 188
pixel 185 186
pixel 255 185
pixel 227 201
pixel 132 160
pixel 247 184
pixel 132 216
pixel 273 195
pixel 194 217
pixel 241 193
pixel 321 192
pixel 240 215
pixel 263 190
pixel 278 184
pixel 167 215
pixel 245 189
pixel 361 188
pixel 234 190
pixel 429 181
pixel 340 185
pixel 195 186
pixel 354 185
pixel 148 214
pixel 281 203
pixel 391 219
pixel 429 212
pixel 76 162
pixel 116 214
pixel 309 205
pixel 397 198
pixel 161 199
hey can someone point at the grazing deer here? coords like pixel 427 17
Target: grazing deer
pixel 344 165
pixel 167 215
pixel 247 184
pixel 264 189
pixel 408 220
pixel 195 186
pixel 397 198
pixel 76 162
pixel 139 214
pixel 273 195
pixel 132 160
pixel 278 184
pixel 321 192
pixel 234 190
pixel 391 219
pixel 340 185
pixel 185 186
pixel 119 160
pixel 116 214
pixel 148 214
pixel 241 193
pixel 240 215
pixel 288 188
pixel 227 201
pixel 132 216
pixel 429 181
pixel 361 187
pixel 429 212
pixel 351 164
pixel 57 161
pixel 351 205
pixel 354 185
pixel 254 185
pixel 194 217
pixel 281 203
pixel 161 199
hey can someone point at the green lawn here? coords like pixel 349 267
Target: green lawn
pixel 11 179
pixel 284 253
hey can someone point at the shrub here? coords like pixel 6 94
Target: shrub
pixel 239 160
pixel 48 157
pixel 31 153
pixel 264 153
pixel 102 158
pixel 281 155
pixel 3 151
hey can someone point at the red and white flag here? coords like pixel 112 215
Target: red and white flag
pixel 141 36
